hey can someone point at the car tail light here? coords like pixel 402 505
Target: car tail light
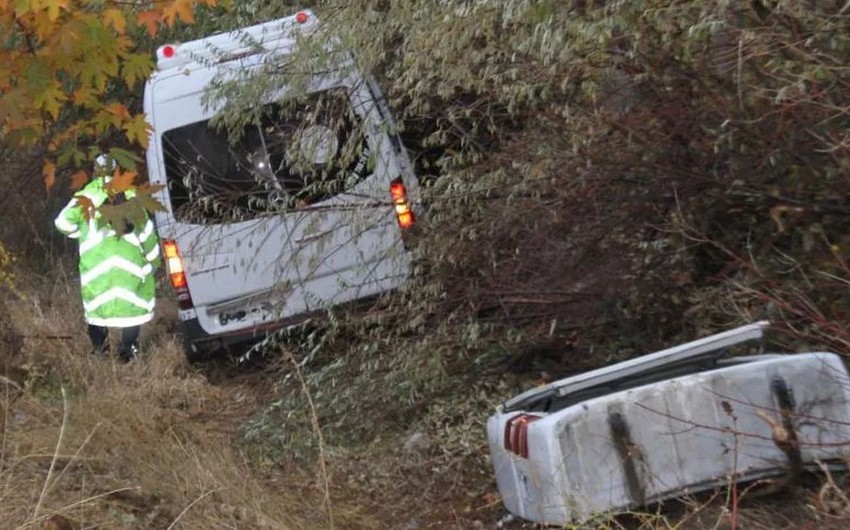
pixel 174 266
pixel 403 212
pixel 516 434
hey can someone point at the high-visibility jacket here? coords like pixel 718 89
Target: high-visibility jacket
pixel 116 271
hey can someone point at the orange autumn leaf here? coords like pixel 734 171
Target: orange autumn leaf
pixel 121 181
pixel 84 96
pixel 79 179
pixel 86 205
pixel 49 173
pixel 178 10
pixel 150 19
pixel 118 110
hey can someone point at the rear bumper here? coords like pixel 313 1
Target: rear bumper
pixel 198 343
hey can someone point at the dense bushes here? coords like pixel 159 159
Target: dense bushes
pixel 615 176
pixel 621 162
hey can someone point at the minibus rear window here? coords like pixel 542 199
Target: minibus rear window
pixel 295 154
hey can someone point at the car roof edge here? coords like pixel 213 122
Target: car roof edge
pixel 706 347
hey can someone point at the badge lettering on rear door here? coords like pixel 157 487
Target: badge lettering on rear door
pixel 226 318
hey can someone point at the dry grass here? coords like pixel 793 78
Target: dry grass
pixel 89 443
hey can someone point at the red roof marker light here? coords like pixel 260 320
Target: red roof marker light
pixel 168 51
pixel 301 17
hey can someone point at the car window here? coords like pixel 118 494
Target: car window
pixel 295 153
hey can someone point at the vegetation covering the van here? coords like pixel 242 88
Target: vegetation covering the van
pixel 293 154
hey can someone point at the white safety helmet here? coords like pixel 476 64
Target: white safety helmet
pixel 103 165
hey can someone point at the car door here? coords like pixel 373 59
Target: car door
pixel 348 244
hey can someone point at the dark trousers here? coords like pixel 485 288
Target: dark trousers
pixel 99 336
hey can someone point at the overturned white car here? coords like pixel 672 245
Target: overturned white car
pixel 668 424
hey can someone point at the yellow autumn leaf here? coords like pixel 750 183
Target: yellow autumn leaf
pixel 42 25
pixel 115 18
pixel 68 38
pixel 24 7
pixel 52 100
pixel 85 97
pixel 135 67
pixel 138 130
pixel 54 8
pixel 48 171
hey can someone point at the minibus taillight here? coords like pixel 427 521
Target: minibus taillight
pixel 403 213
pixel 516 434
pixel 174 267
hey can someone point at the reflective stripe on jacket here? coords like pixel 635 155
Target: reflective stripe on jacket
pixel 116 271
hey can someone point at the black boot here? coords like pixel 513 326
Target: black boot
pixel 129 353
pixel 129 350
pixel 100 341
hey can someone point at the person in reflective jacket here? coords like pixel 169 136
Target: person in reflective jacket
pixel 116 266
